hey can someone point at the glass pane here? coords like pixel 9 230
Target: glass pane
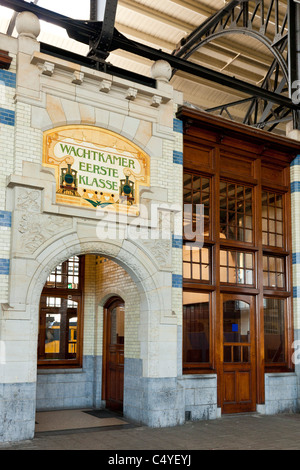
pixel 279 200
pixel 205 272
pixel 186 253
pixel 227 354
pixel 274 271
pixel 235 211
pixel 52 337
pixel 248 260
pixel 232 275
pixel 246 354
pixel 236 321
pixel 280 280
pixel 187 180
pixel 274 325
pixel 279 228
pixel 265 239
pixel 237 354
pixel 279 241
pixel 236 267
pixel 60 328
pixel 196 183
pixel 249 277
pixel 223 274
pixel 72 346
pixel 187 196
pixel 196 271
pixel 265 224
pixel 117 325
pixel 205 255
pixel 187 270
pixel 272 211
pixel 196 263
pixel 196 255
pixel 196 327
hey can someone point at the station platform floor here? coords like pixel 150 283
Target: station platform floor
pixel 104 430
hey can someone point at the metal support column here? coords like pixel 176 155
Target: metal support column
pixel 294 55
pixel 103 11
pixel 97 10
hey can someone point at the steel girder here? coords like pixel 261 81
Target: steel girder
pixel 278 28
pixel 102 37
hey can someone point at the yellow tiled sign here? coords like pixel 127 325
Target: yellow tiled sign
pixel 96 168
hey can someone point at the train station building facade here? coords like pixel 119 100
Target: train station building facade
pixel 107 298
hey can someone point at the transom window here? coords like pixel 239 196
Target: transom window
pixel 236 211
pixel 236 267
pixel 65 275
pixel 196 190
pixel 272 219
pixel 196 263
pixel 274 271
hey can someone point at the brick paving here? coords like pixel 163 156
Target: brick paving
pixel 239 432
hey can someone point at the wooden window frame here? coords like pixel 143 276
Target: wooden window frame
pixel 202 367
pixel 201 264
pixel 287 365
pixel 222 150
pixel 78 295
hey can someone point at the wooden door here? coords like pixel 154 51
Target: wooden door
pixel 238 369
pixel 114 366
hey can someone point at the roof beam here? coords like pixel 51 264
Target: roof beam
pixel 205 54
pixel 196 7
pixel 189 28
pixel 200 71
pixel 156 15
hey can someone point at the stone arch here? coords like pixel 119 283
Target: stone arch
pixel 126 257
pixel 139 266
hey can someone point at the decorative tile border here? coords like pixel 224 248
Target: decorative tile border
pixel 177 280
pixel 4 266
pixel 296 161
pixel 8 78
pixel 295 186
pixel 177 157
pixel 178 126
pixel 177 242
pixel 7 117
pixel 5 219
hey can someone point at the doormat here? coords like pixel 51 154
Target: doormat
pixel 63 421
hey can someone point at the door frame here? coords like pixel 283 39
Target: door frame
pixel 251 300
pixel 111 302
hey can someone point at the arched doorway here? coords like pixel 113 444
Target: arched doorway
pixel 113 353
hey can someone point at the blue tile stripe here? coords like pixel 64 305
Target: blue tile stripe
pixel 177 241
pixel 295 186
pixel 296 258
pixel 296 292
pixel 178 126
pixel 177 157
pixel 296 161
pixel 177 280
pixel 4 266
pixel 5 219
pixel 8 78
pixel 7 117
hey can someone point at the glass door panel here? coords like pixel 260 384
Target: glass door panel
pixel 238 371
